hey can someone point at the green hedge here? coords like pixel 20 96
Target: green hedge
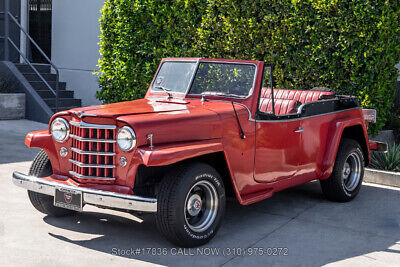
pixel 135 35
pixel 348 46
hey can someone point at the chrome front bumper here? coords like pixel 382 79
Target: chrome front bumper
pixel 90 196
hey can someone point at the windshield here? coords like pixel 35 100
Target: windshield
pixel 231 79
pixel 174 76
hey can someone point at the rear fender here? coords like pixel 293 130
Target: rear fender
pixel 337 129
pixel 172 153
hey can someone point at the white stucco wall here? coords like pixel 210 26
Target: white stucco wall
pixel 75 50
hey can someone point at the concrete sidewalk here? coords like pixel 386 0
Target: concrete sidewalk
pixel 308 228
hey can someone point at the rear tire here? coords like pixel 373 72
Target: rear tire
pixel 41 167
pixel 191 204
pixel 345 181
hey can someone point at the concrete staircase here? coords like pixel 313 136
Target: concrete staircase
pixel 66 97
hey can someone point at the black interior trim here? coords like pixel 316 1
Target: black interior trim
pixel 314 108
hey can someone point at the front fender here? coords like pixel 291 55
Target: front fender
pixel 173 153
pixel 42 139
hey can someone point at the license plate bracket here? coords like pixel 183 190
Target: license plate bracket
pixel 68 199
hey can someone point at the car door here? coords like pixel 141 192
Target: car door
pixel 277 145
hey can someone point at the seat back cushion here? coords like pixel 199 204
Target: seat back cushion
pixel 298 95
pixel 282 106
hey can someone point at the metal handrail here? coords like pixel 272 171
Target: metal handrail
pixel 8 39
pixel 32 66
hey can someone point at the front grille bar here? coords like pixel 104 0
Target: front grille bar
pixel 93 151
pixel 80 176
pixel 85 125
pixel 82 139
pixel 82 152
pixel 85 165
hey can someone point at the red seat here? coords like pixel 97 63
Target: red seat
pixel 298 95
pixel 282 106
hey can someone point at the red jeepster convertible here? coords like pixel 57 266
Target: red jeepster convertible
pixel 206 128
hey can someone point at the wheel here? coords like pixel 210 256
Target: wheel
pixel 347 175
pixel 41 167
pixel 191 204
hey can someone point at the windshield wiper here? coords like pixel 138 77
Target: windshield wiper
pixel 220 94
pixel 166 90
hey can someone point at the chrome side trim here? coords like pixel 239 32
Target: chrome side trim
pixel 85 125
pixel 86 165
pixel 80 176
pixel 82 139
pixel 82 152
pixel 89 196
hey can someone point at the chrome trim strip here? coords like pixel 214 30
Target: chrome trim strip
pixel 80 176
pixel 86 165
pixel 89 196
pixel 82 139
pixel 85 125
pixel 82 152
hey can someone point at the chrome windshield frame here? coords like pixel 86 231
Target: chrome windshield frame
pixel 198 61
pixel 251 91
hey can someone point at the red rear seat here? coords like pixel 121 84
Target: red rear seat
pixel 282 106
pixel 298 95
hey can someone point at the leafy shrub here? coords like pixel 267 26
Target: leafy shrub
pixel 389 161
pixel 135 35
pixel 393 123
pixel 348 46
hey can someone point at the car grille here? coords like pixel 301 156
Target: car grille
pixel 93 151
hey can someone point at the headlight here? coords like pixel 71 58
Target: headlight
pixel 59 130
pixel 126 139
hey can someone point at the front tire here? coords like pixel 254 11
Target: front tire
pixel 347 175
pixel 191 204
pixel 41 167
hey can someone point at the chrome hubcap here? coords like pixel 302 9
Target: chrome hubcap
pixel 194 205
pixel 352 171
pixel 201 206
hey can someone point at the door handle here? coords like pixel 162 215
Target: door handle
pixel 299 130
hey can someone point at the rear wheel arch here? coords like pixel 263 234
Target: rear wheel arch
pixel 356 133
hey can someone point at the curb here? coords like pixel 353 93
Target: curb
pixel 382 177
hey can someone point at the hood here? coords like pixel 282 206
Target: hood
pixel 175 120
pixel 141 106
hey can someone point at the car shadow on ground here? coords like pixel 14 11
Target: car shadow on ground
pixel 298 218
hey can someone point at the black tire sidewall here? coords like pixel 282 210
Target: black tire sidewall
pixel 334 188
pixel 347 152
pixel 194 175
